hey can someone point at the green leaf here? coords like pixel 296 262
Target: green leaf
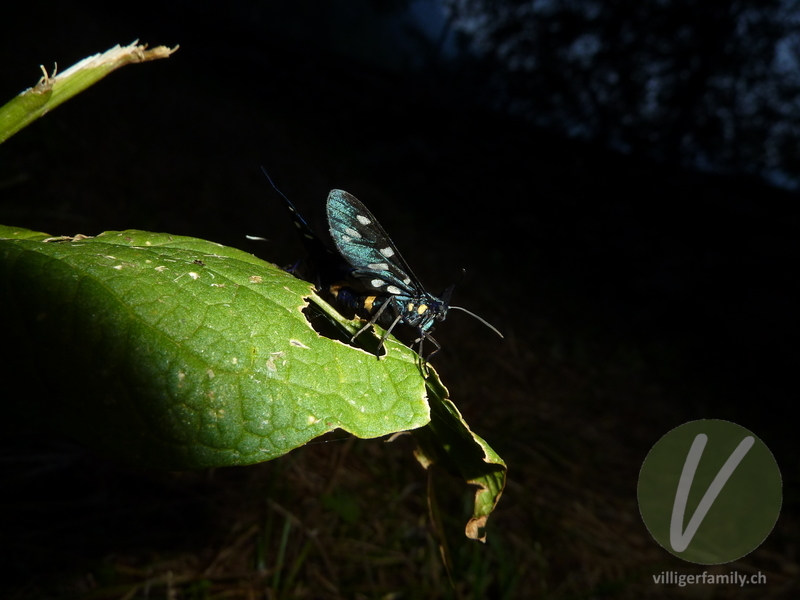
pixel 37 101
pixel 448 442
pixel 174 352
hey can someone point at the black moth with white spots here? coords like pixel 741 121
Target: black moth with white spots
pixel 378 266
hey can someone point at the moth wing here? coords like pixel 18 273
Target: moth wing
pixel 362 241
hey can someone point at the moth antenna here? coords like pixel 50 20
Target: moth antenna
pixel 482 320
pixel 274 187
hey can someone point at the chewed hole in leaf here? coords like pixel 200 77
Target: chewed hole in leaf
pixel 328 327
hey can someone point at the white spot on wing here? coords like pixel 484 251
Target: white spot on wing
pixel 352 232
pixel 363 220
pixel 376 283
pixel 393 289
pixel 378 266
pixel 388 252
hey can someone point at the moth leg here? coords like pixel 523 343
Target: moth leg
pixel 435 343
pixel 372 320
pixel 388 331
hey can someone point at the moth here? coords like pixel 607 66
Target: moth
pixel 378 266
pixel 369 275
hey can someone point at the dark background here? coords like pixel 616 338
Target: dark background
pixel 632 245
